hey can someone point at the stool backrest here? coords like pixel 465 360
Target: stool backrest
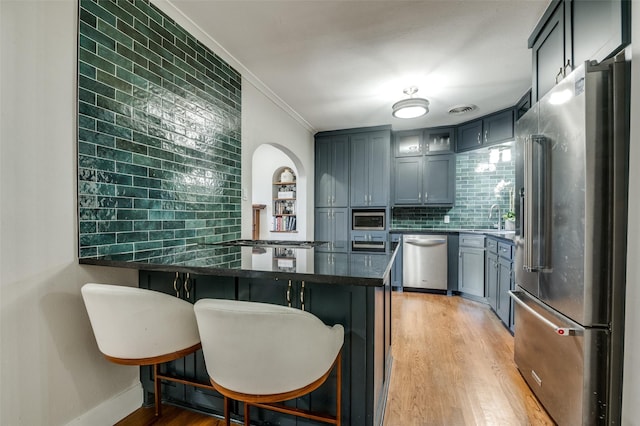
pixel 264 349
pixel 134 323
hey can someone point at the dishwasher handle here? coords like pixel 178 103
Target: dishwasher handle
pixel 424 242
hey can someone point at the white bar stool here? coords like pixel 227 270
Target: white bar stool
pixel 262 354
pixel 135 326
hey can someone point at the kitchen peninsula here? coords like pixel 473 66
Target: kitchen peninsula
pixel 350 289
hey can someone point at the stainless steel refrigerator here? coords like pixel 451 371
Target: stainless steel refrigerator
pixel 571 247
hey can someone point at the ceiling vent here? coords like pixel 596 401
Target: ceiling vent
pixel 462 109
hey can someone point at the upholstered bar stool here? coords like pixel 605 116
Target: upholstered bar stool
pixel 135 326
pixel 262 354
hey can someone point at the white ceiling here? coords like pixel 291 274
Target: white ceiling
pixel 343 63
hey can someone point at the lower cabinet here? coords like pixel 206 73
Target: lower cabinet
pixel 332 225
pixel 363 311
pixel 396 269
pixel 191 288
pixel 471 265
pixel 499 278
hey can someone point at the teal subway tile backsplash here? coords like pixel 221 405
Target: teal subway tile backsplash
pixel 479 185
pixel 159 146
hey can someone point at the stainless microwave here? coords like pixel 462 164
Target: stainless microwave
pixel 368 220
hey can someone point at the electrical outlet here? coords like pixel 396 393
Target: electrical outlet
pixel 446 218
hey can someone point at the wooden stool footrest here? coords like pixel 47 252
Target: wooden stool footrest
pixel 320 417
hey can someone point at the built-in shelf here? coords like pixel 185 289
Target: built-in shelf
pixel 284 217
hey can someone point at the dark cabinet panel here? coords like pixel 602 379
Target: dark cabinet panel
pixel 503 308
pixel 369 171
pixel 549 58
pixel 332 225
pixel 426 180
pixel 491 280
pixel 572 32
pixel 492 129
pixel 332 171
pixel 408 143
pixel 498 127
pixel 469 136
pixel 599 28
pixel 408 181
pixel 439 180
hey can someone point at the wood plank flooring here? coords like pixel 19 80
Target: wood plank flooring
pixel 453 365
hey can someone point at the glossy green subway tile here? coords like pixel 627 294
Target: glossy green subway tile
pixel 114 130
pixel 113 154
pixel 133 56
pixel 166 35
pixel 85 122
pixel 96 112
pixel 161 235
pixel 131 237
pixel 133 11
pixel 96 137
pixel 112 106
pixel 97 36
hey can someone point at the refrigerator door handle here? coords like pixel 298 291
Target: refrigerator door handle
pixel 536 198
pixel 560 331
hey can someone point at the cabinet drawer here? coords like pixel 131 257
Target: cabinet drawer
pixel 492 245
pixel 505 250
pixel 467 240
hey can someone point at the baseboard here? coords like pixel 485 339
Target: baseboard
pixel 112 410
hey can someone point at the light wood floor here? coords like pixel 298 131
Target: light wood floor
pixel 453 365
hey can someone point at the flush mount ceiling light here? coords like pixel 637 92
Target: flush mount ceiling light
pixel 411 107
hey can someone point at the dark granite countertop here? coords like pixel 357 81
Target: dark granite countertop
pixel 294 263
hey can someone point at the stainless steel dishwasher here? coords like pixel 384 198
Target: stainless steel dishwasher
pixel 424 261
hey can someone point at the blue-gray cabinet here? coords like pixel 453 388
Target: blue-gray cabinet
pixel 499 278
pixel 369 169
pixel 471 265
pixel 492 129
pixel 331 225
pixel 425 180
pixel 491 273
pixel 574 31
pixel 332 171
pixel 396 269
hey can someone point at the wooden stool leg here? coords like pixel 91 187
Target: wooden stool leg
pixel 156 388
pixel 247 420
pixel 227 419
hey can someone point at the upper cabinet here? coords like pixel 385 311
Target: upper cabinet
pixel 332 171
pixel 574 31
pixel 422 175
pixel 369 169
pixel 492 129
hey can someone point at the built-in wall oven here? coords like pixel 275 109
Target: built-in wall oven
pixel 368 220
pixel 368 231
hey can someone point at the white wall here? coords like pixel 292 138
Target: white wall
pixel 631 383
pixel 264 123
pixel 51 370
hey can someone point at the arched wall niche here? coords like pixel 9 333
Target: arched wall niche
pixel 267 162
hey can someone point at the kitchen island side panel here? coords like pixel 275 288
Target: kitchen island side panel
pixel 364 312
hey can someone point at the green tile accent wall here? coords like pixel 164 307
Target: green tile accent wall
pixel 159 119
pixel 478 187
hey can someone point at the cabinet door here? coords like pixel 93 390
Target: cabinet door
pixel 599 28
pixel 471 271
pixel 548 51
pixel 379 165
pixel 332 225
pixel 438 140
pixel 331 171
pixel 439 180
pixel 324 179
pixel 359 171
pixel 498 127
pixel 340 171
pixel 407 144
pixel 407 188
pixel 504 285
pixel 469 136
pixel 491 274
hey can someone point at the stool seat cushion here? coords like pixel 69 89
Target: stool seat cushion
pixel 263 349
pixel 134 323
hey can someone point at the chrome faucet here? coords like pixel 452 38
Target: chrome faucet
pixel 495 206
